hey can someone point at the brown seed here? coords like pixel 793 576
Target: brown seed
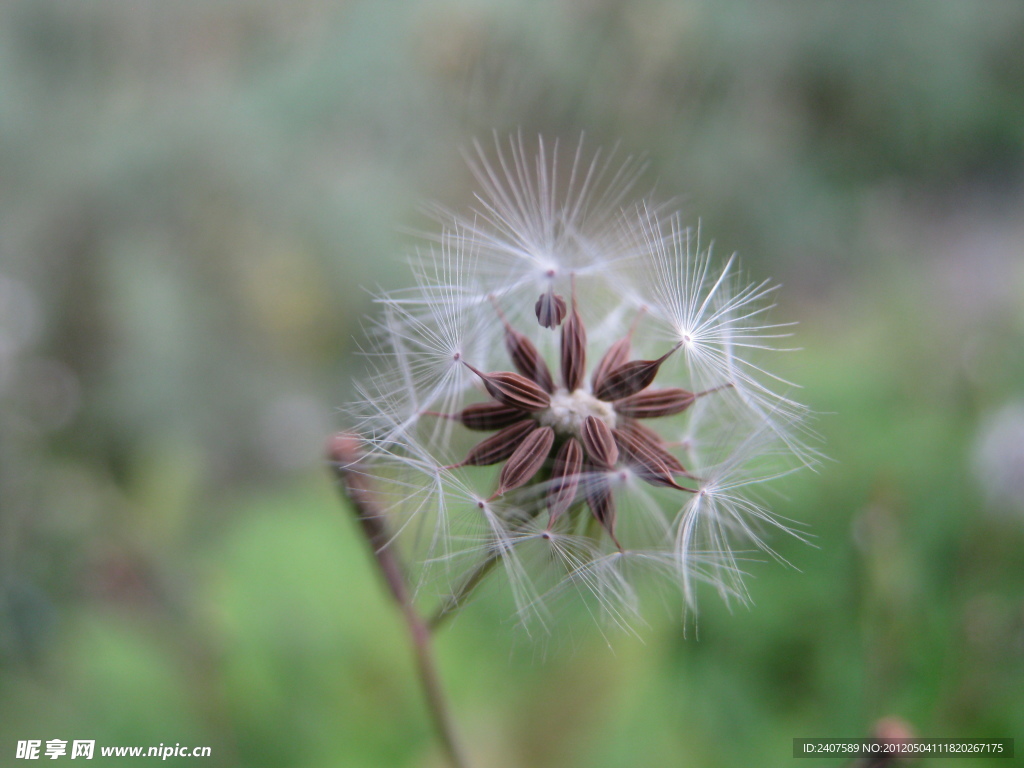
pixel 550 309
pixel 527 359
pixel 599 443
pixel 655 444
pixel 632 425
pixel 524 354
pixel 574 350
pixel 526 460
pixel 654 403
pixel 485 417
pixel 653 463
pixel 565 478
pixel 514 390
pixel 630 378
pixel 661 402
pixel 498 446
pixel 617 355
pixel 598 494
pixel 648 436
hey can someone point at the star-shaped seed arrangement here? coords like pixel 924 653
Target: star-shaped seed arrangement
pixel 579 433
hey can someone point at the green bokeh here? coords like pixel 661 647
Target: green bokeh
pixel 192 196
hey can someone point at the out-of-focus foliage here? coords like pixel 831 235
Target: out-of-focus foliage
pixel 191 197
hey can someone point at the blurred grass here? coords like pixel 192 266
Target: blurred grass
pixel 191 197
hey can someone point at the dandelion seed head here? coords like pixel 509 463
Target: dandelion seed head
pixel 610 433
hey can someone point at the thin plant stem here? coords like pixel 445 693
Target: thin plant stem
pixel 455 600
pixel 436 702
pixel 344 452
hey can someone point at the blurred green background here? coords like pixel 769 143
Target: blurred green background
pixel 192 194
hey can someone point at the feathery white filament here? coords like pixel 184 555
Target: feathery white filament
pixel 637 273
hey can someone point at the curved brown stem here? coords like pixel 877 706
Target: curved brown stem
pixel 344 452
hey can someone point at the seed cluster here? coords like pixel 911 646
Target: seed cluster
pixel 577 433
